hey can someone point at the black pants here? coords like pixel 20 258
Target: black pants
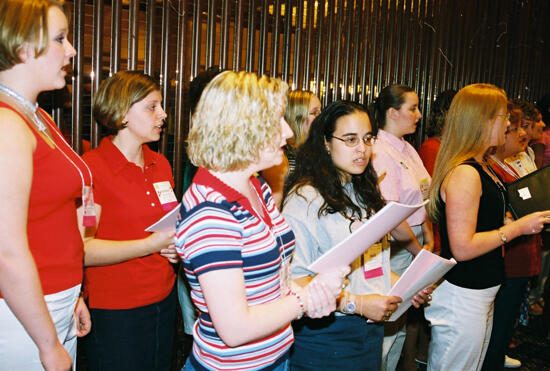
pixel 132 339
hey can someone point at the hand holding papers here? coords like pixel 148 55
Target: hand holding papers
pixel 425 270
pixel 167 222
pixel 384 221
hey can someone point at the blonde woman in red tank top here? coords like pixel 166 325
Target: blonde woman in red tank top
pixel 40 246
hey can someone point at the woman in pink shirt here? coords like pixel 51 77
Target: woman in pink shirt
pixel 402 178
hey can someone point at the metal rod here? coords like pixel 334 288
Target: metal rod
pixel 286 40
pixel 97 65
pixel 133 35
pixel 115 36
pixel 149 37
pixel 262 42
pixel 275 35
pixel 78 60
pixel 307 51
pixel 211 33
pixel 237 37
pixel 180 112
pixel 224 34
pixel 196 37
pixel 164 67
pixel 250 36
pixel 296 82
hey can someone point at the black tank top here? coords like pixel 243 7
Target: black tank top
pixel 486 270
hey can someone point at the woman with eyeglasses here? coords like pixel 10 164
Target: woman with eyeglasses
pixel 333 189
pixel 302 108
pixel 522 256
pixel 402 178
pixel 468 202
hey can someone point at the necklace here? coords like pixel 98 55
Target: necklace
pixel 33 114
pixel 25 106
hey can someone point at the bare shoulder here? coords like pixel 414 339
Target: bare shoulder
pixel 461 180
pixel 15 132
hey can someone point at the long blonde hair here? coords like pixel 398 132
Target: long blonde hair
pixel 467 131
pixel 297 114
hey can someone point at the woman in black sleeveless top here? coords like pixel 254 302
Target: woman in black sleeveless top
pixel 468 202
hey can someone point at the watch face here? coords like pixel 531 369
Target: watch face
pixel 350 307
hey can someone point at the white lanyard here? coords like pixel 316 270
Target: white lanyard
pixel 38 120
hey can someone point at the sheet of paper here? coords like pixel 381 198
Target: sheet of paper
pixel 167 222
pixel 425 270
pixel 372 230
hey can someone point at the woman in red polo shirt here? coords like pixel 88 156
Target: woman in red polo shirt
pixel 129 282
pixel 41 177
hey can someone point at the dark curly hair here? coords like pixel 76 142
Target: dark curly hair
pixel 314 167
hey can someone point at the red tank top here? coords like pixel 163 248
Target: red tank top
pixel 52 228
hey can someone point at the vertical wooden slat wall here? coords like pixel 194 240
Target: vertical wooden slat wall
pixel 340 49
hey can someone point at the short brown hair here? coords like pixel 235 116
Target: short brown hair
pixel 23 21
pixel 117 94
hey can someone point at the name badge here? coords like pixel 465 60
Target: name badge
pixel 89 218
pixel 425 188
pixel 166 195
pixel 371 261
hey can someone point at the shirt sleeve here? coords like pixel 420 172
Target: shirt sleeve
pixel 302 217
pixel 389 179
pixel 209 238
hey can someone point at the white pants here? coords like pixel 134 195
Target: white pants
pixel 396 332
pixel 461 321
pixel 18 351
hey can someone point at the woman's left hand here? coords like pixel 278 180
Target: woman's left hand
pixel 423 297
pixel 82 318
pixel 170 253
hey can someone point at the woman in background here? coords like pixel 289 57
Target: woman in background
pixel 333 189
pixel 403 178
pixel 233 241
pixel 521 256
pixel 429 148
pixel 129 281
pixel 302 108
pixel 41 180
pixel 468 202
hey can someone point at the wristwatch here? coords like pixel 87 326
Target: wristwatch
pixel 502 236
pixel 349 306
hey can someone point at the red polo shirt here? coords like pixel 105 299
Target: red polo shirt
pixel 129 204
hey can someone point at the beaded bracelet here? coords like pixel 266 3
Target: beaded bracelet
pixel 300 302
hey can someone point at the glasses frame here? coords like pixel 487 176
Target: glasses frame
pixel 368 139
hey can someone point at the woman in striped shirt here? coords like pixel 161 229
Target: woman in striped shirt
pixel 234 244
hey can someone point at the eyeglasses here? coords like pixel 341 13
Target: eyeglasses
pixel 526 124
pixel 353 140
pixel 506 116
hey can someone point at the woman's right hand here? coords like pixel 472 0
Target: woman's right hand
pixel 533 223
pixel 377 307
pixel 56 358
pixel 321 293
pixel 160 240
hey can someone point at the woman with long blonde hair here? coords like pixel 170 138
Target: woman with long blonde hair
pixel 469 203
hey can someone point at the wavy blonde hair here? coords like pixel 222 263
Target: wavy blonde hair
pixel 467 131
pixel 238 115
pixel 297 114
pixel 23 21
